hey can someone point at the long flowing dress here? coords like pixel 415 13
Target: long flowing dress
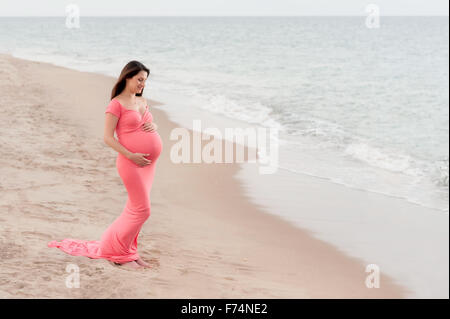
pixel 119 241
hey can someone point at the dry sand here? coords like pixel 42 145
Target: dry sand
pixel 204 239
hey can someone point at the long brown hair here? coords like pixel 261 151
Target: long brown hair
pixel 131 69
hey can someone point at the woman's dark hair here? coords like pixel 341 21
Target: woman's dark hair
pixel 131 69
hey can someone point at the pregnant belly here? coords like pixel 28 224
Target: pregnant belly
pixel 142 142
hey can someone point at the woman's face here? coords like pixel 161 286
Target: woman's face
pixel 137 82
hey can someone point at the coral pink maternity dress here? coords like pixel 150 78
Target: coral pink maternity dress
pixel 119 241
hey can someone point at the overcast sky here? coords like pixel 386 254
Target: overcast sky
pixel 221 7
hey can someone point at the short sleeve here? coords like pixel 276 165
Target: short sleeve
pixel 114 108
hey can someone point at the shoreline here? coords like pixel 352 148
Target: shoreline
pixel 408 241
pixel 200 243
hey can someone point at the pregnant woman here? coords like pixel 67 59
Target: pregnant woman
pixel 138 147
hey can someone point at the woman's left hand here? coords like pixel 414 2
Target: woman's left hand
pixel 149 126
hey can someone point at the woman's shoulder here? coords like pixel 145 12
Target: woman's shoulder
pixel 114 107
pixel 140 99
pixel 116 100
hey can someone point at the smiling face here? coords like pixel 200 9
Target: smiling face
pixel 137 82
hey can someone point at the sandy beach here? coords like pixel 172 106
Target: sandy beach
pixel 204 238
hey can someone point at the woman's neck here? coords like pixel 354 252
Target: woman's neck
pixel 129 96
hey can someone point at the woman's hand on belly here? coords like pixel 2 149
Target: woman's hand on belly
pixel 149 126
pixel 139 159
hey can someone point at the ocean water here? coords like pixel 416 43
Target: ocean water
pixel 367 108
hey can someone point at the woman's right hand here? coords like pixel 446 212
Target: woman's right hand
pixel 139 159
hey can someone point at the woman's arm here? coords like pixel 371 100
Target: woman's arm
pixel 108 135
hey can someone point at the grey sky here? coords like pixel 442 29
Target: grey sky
pixel 221 7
